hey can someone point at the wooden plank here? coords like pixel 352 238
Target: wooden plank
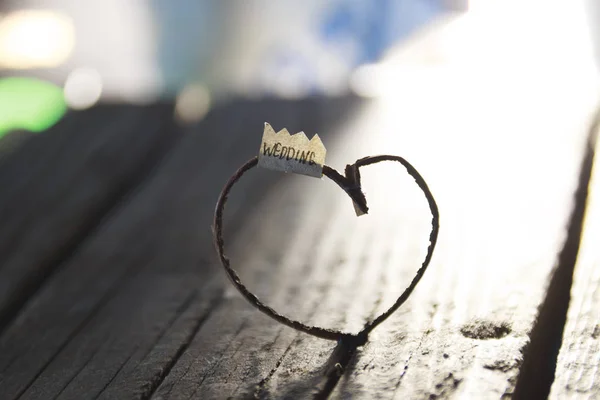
pixel 311 259
pixel 504 174
pixel 540 357
pixel 303 251
pixel 578 360
pixel 290 253
pixel 115 318
pixel 465 330
pixel 59 184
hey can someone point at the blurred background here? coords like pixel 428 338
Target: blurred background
pixel 57 55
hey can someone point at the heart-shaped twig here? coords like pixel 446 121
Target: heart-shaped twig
pixel 350 183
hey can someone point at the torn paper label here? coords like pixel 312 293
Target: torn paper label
pixel 291 153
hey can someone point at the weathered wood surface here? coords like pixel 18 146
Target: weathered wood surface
pixel 577 369
pixel 115 317
pixel 505 178
pixel 57 186
pixel 142 310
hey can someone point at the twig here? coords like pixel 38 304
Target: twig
pixel 350 183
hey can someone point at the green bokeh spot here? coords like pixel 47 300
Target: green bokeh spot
pixel 30 104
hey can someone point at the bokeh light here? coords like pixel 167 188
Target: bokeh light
pixel 83 88
pixel 30 104
pixel 35 39
pixel 192 103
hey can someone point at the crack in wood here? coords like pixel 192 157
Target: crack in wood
pixel 540 356
pixel 214 366
pixel 410 356
pixel 178 312
pixel 260 386
pixel 112 378
pixel 184 346
pixel 87 362
pixel 93 313
pixel 336 367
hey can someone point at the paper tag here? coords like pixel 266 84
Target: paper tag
pixel 291 153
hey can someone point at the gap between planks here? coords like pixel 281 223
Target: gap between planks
pixel 546 338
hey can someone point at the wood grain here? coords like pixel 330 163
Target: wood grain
pixel 58 186
pixel 94 328
pixel 463 330
pixel 506 182
pixel 578 360
pixel 142 309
